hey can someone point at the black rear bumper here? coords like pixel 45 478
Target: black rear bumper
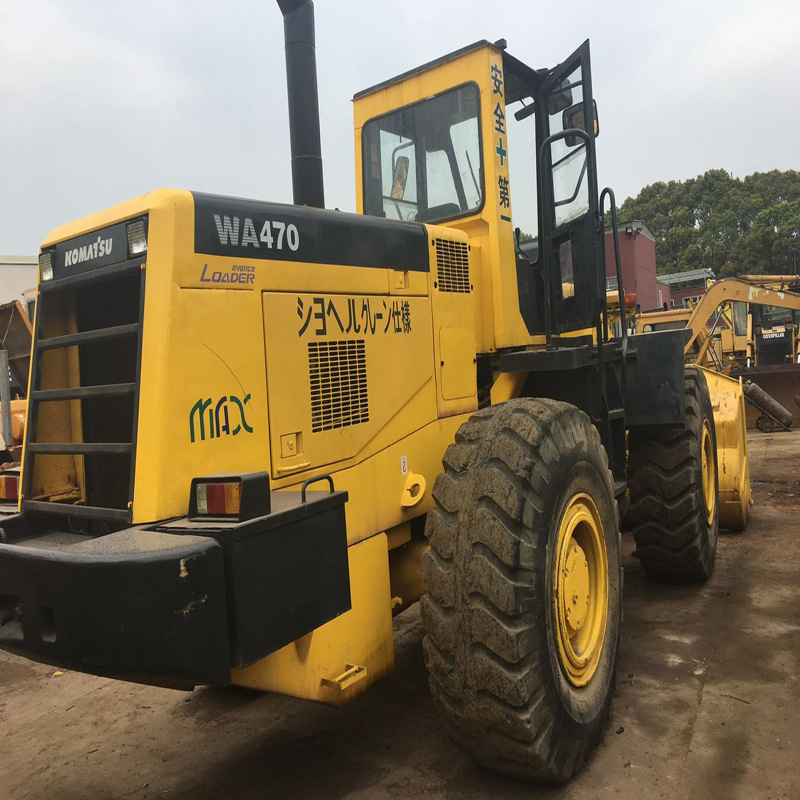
pixel 136 605
pixel 177 604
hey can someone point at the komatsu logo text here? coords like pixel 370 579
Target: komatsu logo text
pixel 88 252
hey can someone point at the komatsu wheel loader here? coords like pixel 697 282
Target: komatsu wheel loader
pixel 255 430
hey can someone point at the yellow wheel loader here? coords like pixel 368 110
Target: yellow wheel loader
pixel 255 431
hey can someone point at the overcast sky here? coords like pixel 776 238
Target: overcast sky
pixel 101 102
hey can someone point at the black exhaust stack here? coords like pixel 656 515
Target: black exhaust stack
pixel 301 82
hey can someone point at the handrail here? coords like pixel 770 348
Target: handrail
pixel 609 192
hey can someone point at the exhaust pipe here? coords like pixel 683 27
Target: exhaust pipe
pixel 301 83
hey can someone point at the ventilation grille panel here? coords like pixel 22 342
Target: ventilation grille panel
pixel 338 374
pixel 452 266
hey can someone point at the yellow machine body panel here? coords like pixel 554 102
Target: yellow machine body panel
pixel 251 369
pixel 298 369
pixel 312 332
pixel 337 662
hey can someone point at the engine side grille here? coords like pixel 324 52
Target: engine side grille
pixel 338 376
pixel 452 266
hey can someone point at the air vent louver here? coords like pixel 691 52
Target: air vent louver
pixel 452 266
pixel 338 374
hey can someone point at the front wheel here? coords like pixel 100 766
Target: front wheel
pixel 524 580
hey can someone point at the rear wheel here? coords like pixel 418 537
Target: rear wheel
pixel 524 588
pixel 673 483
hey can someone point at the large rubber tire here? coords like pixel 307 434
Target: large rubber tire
pixel 675 539
pixel 490 612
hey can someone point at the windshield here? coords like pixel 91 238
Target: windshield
pixel 775 315
pixel 424 162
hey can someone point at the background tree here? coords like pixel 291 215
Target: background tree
pixel 733 226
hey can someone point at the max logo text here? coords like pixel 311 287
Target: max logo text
pixel 219 417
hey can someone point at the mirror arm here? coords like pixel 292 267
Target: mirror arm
pixel 569 86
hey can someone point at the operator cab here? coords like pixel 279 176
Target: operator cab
pixel 433 146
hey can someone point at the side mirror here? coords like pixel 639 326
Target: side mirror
pixel 400 178
pixel 573 117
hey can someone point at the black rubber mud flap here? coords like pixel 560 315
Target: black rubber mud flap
pixel 654 393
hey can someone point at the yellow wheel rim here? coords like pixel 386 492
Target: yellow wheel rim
pixel 581 590
pixel 709 474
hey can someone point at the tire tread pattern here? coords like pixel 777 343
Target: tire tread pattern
pixel 484 570
pixel 674 541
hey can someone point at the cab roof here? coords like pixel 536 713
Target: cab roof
pixel 520 79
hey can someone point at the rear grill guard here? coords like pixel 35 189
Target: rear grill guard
pixel 105 369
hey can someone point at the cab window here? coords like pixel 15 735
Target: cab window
pixel 569 162
pixel 423 162
pixel 740 318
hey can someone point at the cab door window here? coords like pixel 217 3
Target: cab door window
pixel 569 164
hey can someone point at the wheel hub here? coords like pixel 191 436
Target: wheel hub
pixel 581 590
pixel 709 473
pixel 576 587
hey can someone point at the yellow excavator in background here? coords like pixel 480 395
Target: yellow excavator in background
pixel 726 323
pixel 745 327
pixel 725 338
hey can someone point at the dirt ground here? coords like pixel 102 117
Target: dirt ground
pixel 706 704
